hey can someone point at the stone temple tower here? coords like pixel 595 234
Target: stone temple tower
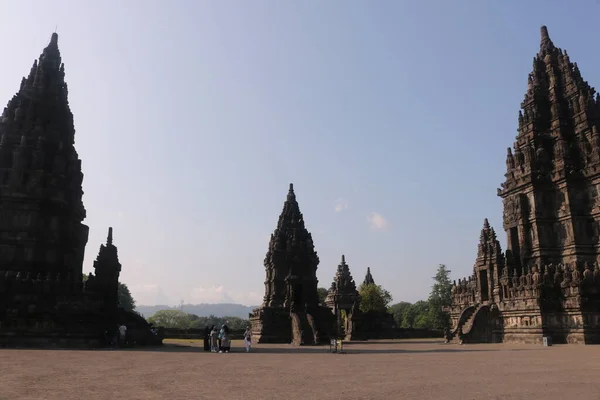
pixel 547 283
pixel 551 197
pixel 41 209
pixel 290 311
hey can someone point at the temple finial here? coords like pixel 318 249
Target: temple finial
pixel 546 43
pixel 486 224
pixel 291 195
pixel 343 259
pixel 109 240
pixel 368 278
pixel 54 39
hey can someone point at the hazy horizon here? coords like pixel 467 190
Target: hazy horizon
pixel 391 118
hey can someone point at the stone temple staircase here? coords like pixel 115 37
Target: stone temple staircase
pixel 465 321
pixel 468 325
pixel 302 329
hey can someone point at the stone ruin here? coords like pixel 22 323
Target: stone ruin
pixel 547 283
pixel 290 312
pixel 43 300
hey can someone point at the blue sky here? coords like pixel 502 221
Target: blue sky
pixel 391 118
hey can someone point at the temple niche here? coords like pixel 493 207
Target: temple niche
pixel 43 299
pixel 290 312
pixel 547 283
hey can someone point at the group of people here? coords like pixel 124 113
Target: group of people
pixel 219 341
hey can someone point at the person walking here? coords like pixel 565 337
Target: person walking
pixel 248 339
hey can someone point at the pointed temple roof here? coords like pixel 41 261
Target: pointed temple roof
pixel 291 234
pixel 291 217
pixel 41 104
pixel 488 242
pixel 369 278
pixel 559 120
pixel 108 258
pixel 343 283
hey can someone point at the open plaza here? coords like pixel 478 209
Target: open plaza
pixel 396 369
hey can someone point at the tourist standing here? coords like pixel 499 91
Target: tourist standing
pixel 248 339
pixel 220 338
pixel 225 340
pixel 214 339
pixel 122 334
pixel 206 338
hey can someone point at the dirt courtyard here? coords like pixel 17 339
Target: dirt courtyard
pixel 402 369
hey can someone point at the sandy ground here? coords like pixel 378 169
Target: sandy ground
pixel 403 369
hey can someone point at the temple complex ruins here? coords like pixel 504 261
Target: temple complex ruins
pixel 43 300
pixel 547 283
pixel 290 312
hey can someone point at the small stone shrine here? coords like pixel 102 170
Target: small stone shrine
pixel 342 298
pixel 290 312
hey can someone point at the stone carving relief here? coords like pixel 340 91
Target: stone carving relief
pixel 561 201
pixel 512 210
pixel 593 195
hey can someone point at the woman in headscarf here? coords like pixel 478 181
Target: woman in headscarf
pixel 206 338
pixel 248 339
pixel 214 339
pixel 225 340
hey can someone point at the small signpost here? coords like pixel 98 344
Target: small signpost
pixel 547 341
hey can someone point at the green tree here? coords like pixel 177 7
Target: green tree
pixel 417 315
pixel 441 296
pixel 398 310
pixel 125 299
pixel 374 298
pixel 171 319
pixel 322 292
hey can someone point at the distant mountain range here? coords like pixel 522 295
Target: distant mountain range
pixel 202 310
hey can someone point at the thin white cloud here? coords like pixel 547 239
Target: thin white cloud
pixel 377 222
pixel 340 205
pixel 219 294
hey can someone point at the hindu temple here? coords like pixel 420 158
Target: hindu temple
pixel 290 312
pixel 43 299
pixel 547 282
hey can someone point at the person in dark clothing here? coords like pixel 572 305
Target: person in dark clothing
pixel 206 338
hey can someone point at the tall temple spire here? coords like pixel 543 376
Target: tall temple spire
pixel 41 104
pixel 43 170
pixel 109 239
pixel 291 254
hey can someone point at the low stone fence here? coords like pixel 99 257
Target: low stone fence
pixel 391 333
pixel 172 333
pixel 405 333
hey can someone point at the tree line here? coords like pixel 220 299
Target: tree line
pixel 179 319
